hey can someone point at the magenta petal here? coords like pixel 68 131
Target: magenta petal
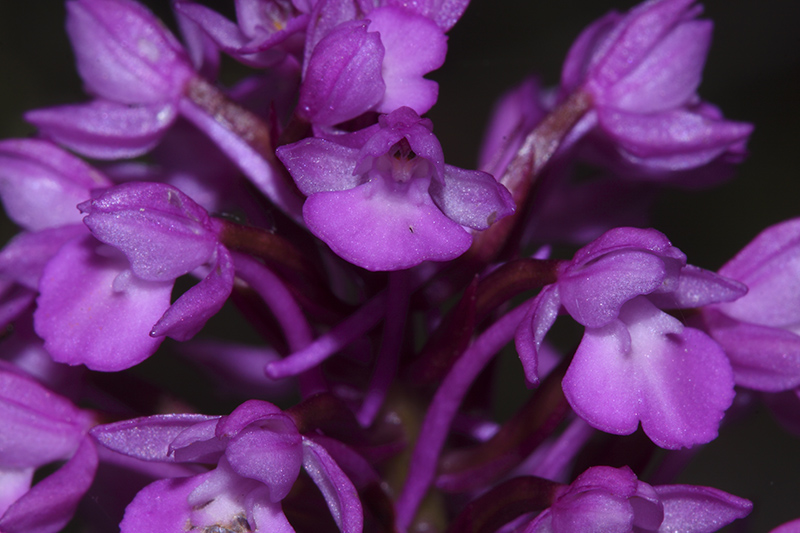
pixel 93 311
pixel 25 256
pixel 41 185
pixel 414 46
pixel 648 510
pixel 201 49
pixel 147 438
pixel 14 482
pixel 676 380
pixel 49 505
pixel 336 487
pixel 669 75
pixel 592 509
pixel 14 300
pixel 671 140
pixel 770 267
pixel 471 198
pixel 593 294
pixel 533 328
pixel 579 56
pixel 542 523
pixel 266 516
pixel 161 506
pixel 25 350
pixel 124 53
pixel 600 369
pixel 261 28
pixel 696 288
pixel 103 129
pixel 699 509
pixel 618 481
pixel 198 443
pixel 600 499
pixel 689 391
pixel 634 37
pixel 763 358
pixel 163 232
pixel 445 13
pixel 43 160
pixel 223 501
pixel 325 17
pixel 360 471
pixel 772 252
pixel 317 165
pixel 270 25
pixel 343 78
pixel 192 310
pixel 244 415
pixel 378 227
pixel 269 451
pixel 402 123
pixel 621 239
pixel 351 139
pixel 39 426
pixel 225 33
pixel 262 173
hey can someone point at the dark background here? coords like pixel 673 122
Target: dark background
pixel 753 74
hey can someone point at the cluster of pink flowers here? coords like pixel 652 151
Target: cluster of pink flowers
pixel 312 198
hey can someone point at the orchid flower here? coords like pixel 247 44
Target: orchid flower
pixel 645 363
pixel 383 198
pixel 258 453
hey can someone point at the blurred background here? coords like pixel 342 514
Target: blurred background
pixel 752 74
